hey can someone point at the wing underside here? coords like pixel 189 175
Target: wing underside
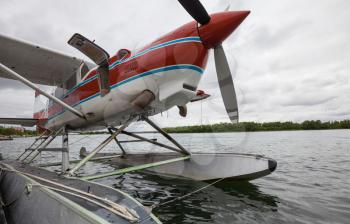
pixel 27 122
pixel 37 64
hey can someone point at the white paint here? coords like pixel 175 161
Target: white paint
pixel 215 166
pixel 115 107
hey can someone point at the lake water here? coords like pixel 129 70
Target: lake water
pixel 311 183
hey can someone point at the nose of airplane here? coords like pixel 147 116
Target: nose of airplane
pixel 221 26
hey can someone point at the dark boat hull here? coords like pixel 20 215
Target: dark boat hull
pixel 26 202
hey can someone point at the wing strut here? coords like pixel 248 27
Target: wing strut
pixel 18 77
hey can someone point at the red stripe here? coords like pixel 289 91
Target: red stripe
pixel 183 53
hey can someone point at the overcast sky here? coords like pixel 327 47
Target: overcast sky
pixel 290 59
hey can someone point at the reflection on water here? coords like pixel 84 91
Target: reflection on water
pixel 223 203
pixel 310 185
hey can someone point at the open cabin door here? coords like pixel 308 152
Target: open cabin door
pixel 103 80
pixel 81 72
pixel 97 55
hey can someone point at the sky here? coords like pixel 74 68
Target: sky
pixel 290 59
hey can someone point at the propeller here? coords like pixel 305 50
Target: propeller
pixel 196 10
pixel 227 88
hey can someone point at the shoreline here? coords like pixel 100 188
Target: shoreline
pixel 261 127
pixel 216 128
pixel 259 131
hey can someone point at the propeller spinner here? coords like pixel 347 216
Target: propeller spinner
pixel 213 31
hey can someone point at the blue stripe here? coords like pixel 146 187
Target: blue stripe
pixel 112 66
pixel 158 70
pixel 79 85
pixel 151 72
pixel 181 40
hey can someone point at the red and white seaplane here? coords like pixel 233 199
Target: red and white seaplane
pixel 114 91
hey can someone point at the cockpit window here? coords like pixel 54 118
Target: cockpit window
pixel 123 54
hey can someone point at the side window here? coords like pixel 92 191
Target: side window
pixel 123 54
pixel 70 83
pixel 58 92
pixel 81 72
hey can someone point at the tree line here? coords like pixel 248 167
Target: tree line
pixel 223 127
pixel 15 132
pixel 268 126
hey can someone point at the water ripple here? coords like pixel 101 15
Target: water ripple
pixel 310 185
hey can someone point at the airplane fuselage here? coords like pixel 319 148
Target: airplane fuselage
pixel 170 67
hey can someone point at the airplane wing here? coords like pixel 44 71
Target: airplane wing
pixel 37 64
pixel 27 122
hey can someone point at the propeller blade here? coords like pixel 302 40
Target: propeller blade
pixel 196 10
pixel 226 83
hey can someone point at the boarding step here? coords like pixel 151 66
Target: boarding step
pixel 49 149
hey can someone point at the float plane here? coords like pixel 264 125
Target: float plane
pixel 111 92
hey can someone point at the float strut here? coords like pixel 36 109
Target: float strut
pixel 151 141
pixel 116 140
pixel 65 153
pixel 37 151
pixel 166 135
pixel 96 150
pixel 41 137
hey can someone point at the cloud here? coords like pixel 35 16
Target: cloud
pixel 6 84
pixel 14 104
pixel 290 60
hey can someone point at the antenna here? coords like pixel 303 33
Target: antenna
pixel 201 112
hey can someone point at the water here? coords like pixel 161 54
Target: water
pixel 310 185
